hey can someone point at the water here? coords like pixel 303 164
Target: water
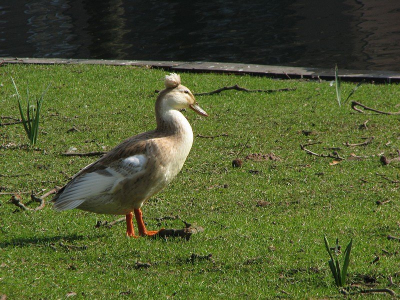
pixel 355 34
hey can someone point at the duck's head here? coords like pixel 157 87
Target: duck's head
pixel 176 96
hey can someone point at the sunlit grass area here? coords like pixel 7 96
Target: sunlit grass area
pixel 310 168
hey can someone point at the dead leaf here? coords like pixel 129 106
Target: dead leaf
pixel 335 162
pixel 70 294
pixel 263 203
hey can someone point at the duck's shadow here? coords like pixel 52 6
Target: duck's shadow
pixel 45 241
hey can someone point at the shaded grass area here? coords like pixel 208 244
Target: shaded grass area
pixel 264 222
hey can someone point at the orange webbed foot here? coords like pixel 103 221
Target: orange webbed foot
pixel 150 233
pixel 132 235
pixel 130 232
pixel 142 228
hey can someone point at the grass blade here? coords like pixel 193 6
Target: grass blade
pixel 23 117
pixel 353 90
pixel 334 272
pixel 337 85
pixel 20 108
pixel 328 248
pixel 331 262
pixel 28 116
pixel 36 121
pixel 338 274
pixel 346 261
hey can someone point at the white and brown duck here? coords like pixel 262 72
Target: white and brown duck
pixel 122 180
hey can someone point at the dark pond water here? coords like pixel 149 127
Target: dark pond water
pixel 355 34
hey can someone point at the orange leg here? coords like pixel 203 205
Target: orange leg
pixel 142 228
pixel 129 226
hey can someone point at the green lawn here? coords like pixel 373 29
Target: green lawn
pixel 264 222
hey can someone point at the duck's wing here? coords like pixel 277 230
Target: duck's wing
pixel 103 177
pixel 89 186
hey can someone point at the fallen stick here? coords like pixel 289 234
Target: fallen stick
pixel 109 224
pixel 211 136
pixel 387 178
pixel 321 155
pixel 389 291
pixel 16 200
pixel 390 237
pixel 238 88
pixel 367 142
pixel 354 105
pixel 96 153
pixel 9 118
pixel 16 121
pixel 385 160
pixel 11 123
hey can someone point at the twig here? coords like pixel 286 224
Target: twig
pixel 245 145
pixel 16 121
pixel 390 279
pixel 367 142
pixel 16 200
pixel 109 224
pixel 238 88
pixel 211 136
pixel 39 200
pixel 96 153
pixel 321 155
pixel 387 178
pixel 390 237
pixel 9 118
pixel 386 161
pixel 354 105
pixel 389 291
pixel 51 192
pixel 364 125
pixel 12 123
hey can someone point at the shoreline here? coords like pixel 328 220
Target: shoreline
pixel 282 72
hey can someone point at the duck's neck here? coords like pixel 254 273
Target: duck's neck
pixel 173 122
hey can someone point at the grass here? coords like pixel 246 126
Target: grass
pixel 339 273
pixel 264 222
pixel 32 119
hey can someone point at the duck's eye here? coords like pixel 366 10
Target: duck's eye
pixel 186 91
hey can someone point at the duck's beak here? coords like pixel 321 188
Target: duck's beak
pixel 198 109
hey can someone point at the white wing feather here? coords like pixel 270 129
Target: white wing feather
pixel 93 186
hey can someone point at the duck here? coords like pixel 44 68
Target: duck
pixel 121 181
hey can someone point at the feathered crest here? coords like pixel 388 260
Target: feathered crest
pixel 172 80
